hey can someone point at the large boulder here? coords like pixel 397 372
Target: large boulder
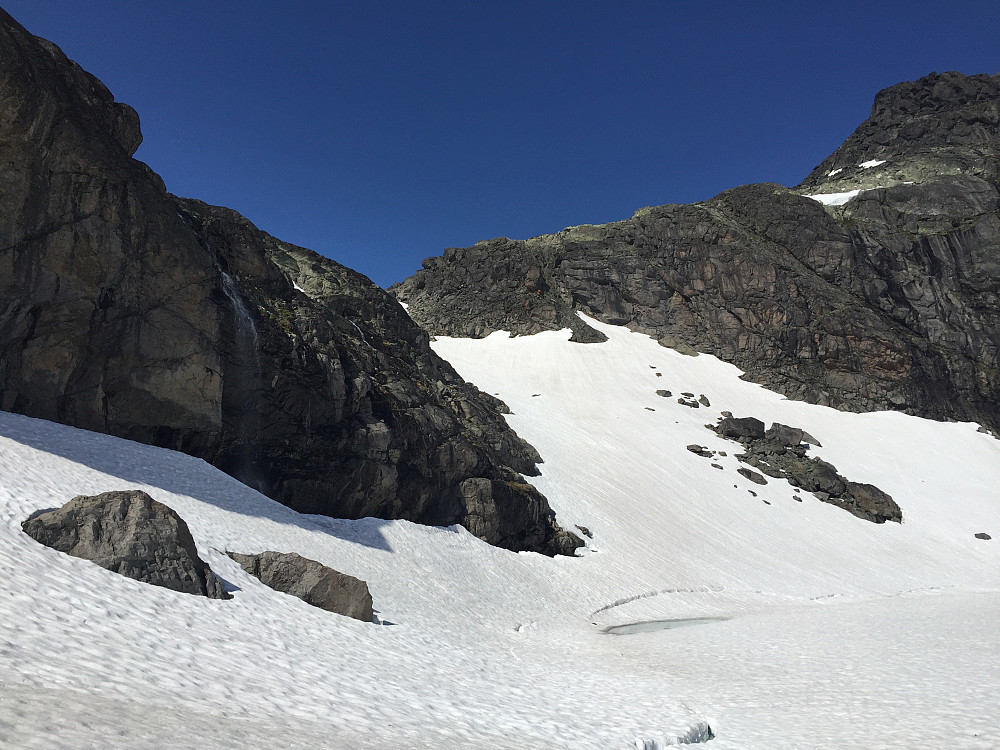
pixel 310 581
pixel 869 502
pixel 132 534
pixel 741 428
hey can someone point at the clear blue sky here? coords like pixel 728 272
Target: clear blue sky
pixel 379 133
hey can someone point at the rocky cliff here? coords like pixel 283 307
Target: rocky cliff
pixel 883 296
pixel 129 311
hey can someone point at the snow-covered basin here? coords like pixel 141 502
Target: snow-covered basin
pixel 841 633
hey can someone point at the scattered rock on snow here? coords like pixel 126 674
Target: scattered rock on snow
pixel 700 450
pixel 703 400
pixel 983 535
pixel 688 402
pixel 664 394
pixel 310 581
pixel 129 533
pixel 781 453
pixel 752 475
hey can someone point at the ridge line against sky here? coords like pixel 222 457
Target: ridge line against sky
pixel 380 133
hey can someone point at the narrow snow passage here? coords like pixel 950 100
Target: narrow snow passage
pixel 841 633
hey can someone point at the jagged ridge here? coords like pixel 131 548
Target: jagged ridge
pixel 888 302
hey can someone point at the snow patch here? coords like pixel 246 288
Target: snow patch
pixel 871 163
pixel 834 199
pixel 833 172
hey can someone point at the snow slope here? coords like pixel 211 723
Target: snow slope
pixel 839 633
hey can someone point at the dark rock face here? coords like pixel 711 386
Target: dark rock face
pixel 132 534
pixel 780 453
pixel 891 301
pixel 310 581
pixel 741 427
pixel 167 321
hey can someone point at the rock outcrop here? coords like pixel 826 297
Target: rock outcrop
pixel 310 581
pixel 888 301
pixel 780 452
pixel 131 534
pixel 163 320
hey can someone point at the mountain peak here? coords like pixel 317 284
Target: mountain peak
pixel 942 124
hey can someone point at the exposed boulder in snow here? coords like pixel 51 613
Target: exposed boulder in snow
pixel 983 535
pixel 738 428
pixel 310 581
pixel 129 533
pixel 784 435
pixel 753 476
pixel 700 450
pixel 868 501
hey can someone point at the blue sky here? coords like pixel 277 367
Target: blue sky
pixel 379 133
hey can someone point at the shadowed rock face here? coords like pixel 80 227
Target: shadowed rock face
pixel 132 534
pixel 891 301
pixel 129 311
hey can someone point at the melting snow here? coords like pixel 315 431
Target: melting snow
pixel 833 172
pixel 871 163
pixel 841 633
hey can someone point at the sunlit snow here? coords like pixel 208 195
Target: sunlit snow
pixel 834 199
pixel 821 630
pixel 833 172
pixel 871 163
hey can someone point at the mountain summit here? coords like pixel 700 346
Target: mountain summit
pixel 875 284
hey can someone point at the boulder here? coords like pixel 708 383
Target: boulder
pixel 749 428
pixel 869 502
pixel 129 533
pixel 310 581
pixel 783 434
pixel 983 535
pixel 752 475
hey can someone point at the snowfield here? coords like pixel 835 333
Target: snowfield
pixel 832 633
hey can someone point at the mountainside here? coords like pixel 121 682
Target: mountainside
pixel 129 311
pixel 880 292
pixel 804 626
